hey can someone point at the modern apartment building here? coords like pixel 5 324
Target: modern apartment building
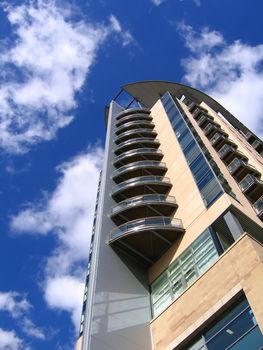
pixel 176 258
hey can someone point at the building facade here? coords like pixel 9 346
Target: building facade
pixel 176 258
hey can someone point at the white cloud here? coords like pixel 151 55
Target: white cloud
pixel 31 330
pixel 9 340
pixel 66 293
pixel 230 72
pixel 67 213
pixel 14 303
pixel 159 2
pixel 125 35
pixel 18 307
pixel 43 68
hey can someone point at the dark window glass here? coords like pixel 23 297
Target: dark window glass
pixel 201 171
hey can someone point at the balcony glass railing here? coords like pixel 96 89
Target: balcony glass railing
pixel 224 150
pixel 248 181
pixel 141 180
pixel 235 164
pixel 146 199
pixel 132 117
pixel 138 165
pixel 203 119
pixel 135 124
pixel 216 138
pixel 131 133
pixel 208 128
pixel 258 206
pixel 197 111
pixel 132 111
pixel 138 151
pixel 255 144
pixel 152 223
pixel 138 140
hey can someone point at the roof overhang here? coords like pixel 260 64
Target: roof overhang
pixel 149 92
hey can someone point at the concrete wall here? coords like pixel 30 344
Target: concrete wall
pixel 119 298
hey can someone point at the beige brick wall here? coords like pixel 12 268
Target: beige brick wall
pixel 79 343
pixel 239 268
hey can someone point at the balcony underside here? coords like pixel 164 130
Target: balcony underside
pixel 136 143
pixel 148 245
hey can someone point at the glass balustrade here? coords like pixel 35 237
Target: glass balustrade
pixel 143 200
pixel 258 206
pixel 234 165
pixel 138 124
pixel 132 111
pixel 140 180
pixel 216 138
pixel 133 133
pixel 132 117
pixel 248 181
pixel 138 165
pixel 139 151
pixel 208 128
pixel 224 150
pixel 138 140
pixel 152 223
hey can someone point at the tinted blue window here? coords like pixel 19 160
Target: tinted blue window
pixel 206 181
pixel 236 329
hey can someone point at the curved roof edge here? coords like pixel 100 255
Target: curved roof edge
pixel 149 92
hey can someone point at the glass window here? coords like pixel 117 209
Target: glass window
pixel 196 160
pixel 236 329
pixel 195 260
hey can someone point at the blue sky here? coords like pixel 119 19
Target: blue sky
pixel 61 63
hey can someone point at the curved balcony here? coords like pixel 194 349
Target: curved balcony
pixel 252 187
pixel 218 140
pixel 132 111
pixel 212 128
pixel 228 152
pixel 147 238
pixel 143 206
pixel 133 117
pixel 196 110
pixel 132 134
pixel 140 142
pixel 139 124
pixel 137 155
pixel 239 169
pixel 204 120
pixel 140 168
pixel 258 207
pixel 140 186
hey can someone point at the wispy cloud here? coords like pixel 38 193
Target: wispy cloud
pixel 230 72
pixel 19 308
pixel 160 2
pixel 125 35
pixel 9 340
pixel 13 303
pixel 67 212
pixel 43 67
